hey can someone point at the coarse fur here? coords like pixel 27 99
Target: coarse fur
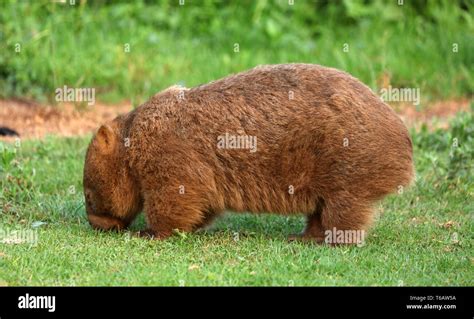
pixel 327 147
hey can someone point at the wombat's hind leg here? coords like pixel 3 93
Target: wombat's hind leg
pixel 207 220
pixel 313 231
pixel 346 221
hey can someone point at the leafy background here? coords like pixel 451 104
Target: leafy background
pixel 82 45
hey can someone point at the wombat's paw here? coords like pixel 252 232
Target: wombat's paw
pixel 304 238
pixel 145 233
pixel 150 234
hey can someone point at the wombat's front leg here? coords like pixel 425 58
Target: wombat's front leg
pixel 169 210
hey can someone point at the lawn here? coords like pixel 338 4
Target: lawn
pixel 423 236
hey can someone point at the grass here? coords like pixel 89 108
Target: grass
pixel 86 45
pixel 422 237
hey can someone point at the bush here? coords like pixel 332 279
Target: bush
pixel 450 151
pixel 83 45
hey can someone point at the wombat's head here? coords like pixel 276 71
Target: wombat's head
pixel 111 193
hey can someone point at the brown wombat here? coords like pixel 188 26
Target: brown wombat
pixel 284 139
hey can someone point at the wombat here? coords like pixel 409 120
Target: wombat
pixel 284 139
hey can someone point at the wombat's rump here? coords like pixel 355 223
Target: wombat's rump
pixel 285 139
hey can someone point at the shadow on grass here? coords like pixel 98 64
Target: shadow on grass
pixel 244 224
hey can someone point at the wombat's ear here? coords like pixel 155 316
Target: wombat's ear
pixel 105 139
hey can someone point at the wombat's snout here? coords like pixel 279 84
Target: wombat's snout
pixel 104 222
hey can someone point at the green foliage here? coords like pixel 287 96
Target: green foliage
pixel 15 177
pixel 21 178
pixel 7 155
pixel 461 157
pixel 453 147
pixel 83 45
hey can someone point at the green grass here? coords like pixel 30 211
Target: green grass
pixel 83 45
pixel 423 237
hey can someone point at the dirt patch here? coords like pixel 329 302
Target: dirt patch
pixel 33 121
pixel 440 111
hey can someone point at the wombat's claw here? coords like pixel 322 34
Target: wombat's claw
pixel 304 238
pixel 295 237
pixel 146 233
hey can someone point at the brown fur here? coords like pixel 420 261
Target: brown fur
pixel 319 131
